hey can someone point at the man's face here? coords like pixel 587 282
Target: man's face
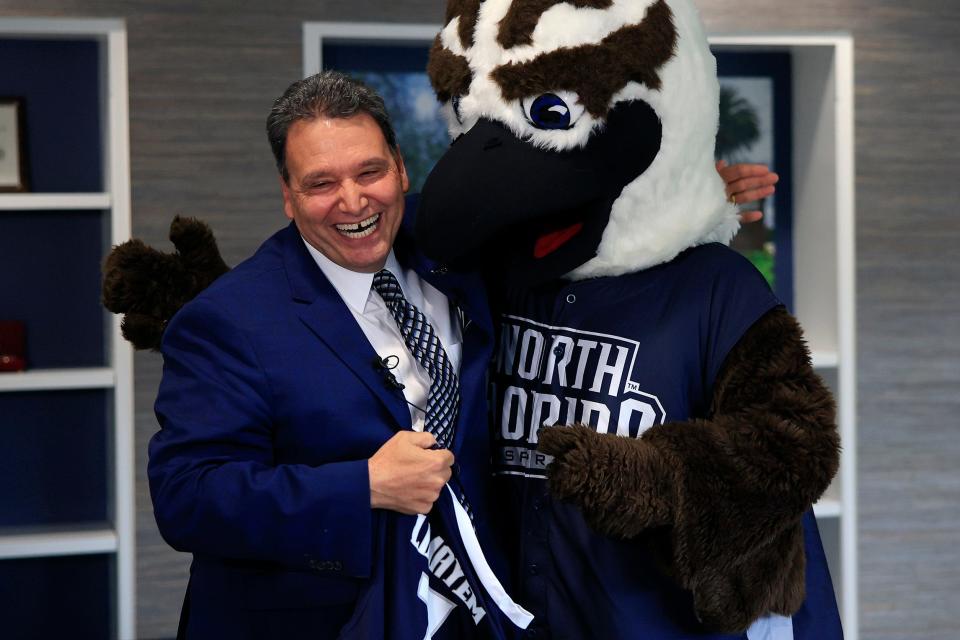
pixel 345 190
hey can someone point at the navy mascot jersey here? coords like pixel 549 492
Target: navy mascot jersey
pixel 620 355
pixel 432 581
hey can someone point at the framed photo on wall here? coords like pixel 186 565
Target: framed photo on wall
pixel 391 59
pixel 13 154
pixel 756 127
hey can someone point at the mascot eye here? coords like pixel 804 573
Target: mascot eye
pixel 455 103
pixel 553 111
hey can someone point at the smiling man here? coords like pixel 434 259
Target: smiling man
pixel 319 389
pixel 343 186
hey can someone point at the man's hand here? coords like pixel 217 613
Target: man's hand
pixel 406 475
pixel 747 183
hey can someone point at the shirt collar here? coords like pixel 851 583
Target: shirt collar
pixel 354 287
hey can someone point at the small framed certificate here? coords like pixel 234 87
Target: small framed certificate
pixel 13 153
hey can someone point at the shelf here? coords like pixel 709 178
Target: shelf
pixel 54 201
pixel 825 360
pixel 56 28
pixel 57 379
pixel 45 543
pixel 828 508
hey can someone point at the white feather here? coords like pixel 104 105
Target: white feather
pixel 564 25
pixel 679 201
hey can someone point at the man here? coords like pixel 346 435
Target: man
pixel 293 415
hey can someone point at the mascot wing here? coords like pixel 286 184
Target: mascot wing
pixel 149 287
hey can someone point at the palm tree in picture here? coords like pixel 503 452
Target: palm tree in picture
pixel 421 131
pixel 739 126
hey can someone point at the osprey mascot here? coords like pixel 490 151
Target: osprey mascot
pixel 659 433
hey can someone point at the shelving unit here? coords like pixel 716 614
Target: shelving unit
pixel 59 379
pixel 42 543
pixel 825 359
pixel 824 261
pixel 80 357
pixel 54 202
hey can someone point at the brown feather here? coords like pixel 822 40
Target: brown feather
pixel 468 11
pixel 632 54
pixel 449 73
pixel 516 28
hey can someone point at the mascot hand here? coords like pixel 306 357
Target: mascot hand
pixel 149 287
pixel 622 485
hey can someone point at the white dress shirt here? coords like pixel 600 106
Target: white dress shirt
pixel 380 328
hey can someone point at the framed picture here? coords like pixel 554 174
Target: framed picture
pixel 391 59
pixel 13 154
pixel 755 118
pixel 756 126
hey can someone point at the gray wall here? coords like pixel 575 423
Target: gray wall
pixel 202 76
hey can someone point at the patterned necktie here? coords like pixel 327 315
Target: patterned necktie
pixel 443 401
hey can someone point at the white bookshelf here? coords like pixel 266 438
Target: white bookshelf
pixel 824 251
pixel 828 508
pixel 824 261
pixel 58 379
pixel 314 33
pixel 116 537
pixel 825 359
pixel 43 543
pixel 54 201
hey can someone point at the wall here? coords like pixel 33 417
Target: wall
pixel 202 78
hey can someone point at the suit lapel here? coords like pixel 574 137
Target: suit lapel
pixel 473 370
pixel 326 315
pixel 328 318
pixel 464 291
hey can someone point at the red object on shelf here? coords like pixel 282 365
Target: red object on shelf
pixel 13 345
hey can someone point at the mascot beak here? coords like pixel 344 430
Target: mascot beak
pixel 529 205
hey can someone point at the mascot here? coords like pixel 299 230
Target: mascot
pixel 676 502
pixel 659 433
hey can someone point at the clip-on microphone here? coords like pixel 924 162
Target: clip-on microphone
pixel 384 365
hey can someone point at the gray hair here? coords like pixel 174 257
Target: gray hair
pixel 328 94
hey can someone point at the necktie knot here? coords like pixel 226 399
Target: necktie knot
pixel 386 284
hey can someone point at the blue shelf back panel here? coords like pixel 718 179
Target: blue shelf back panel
pixel 53 457
pixel 60 82
pixel 66 597
pixel 50 280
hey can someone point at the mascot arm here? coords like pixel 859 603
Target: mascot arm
pixel 148 287
pixel 720 498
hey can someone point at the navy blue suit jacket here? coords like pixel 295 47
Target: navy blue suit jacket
pixel 269 407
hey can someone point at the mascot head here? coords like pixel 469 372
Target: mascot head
pixel 583 136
